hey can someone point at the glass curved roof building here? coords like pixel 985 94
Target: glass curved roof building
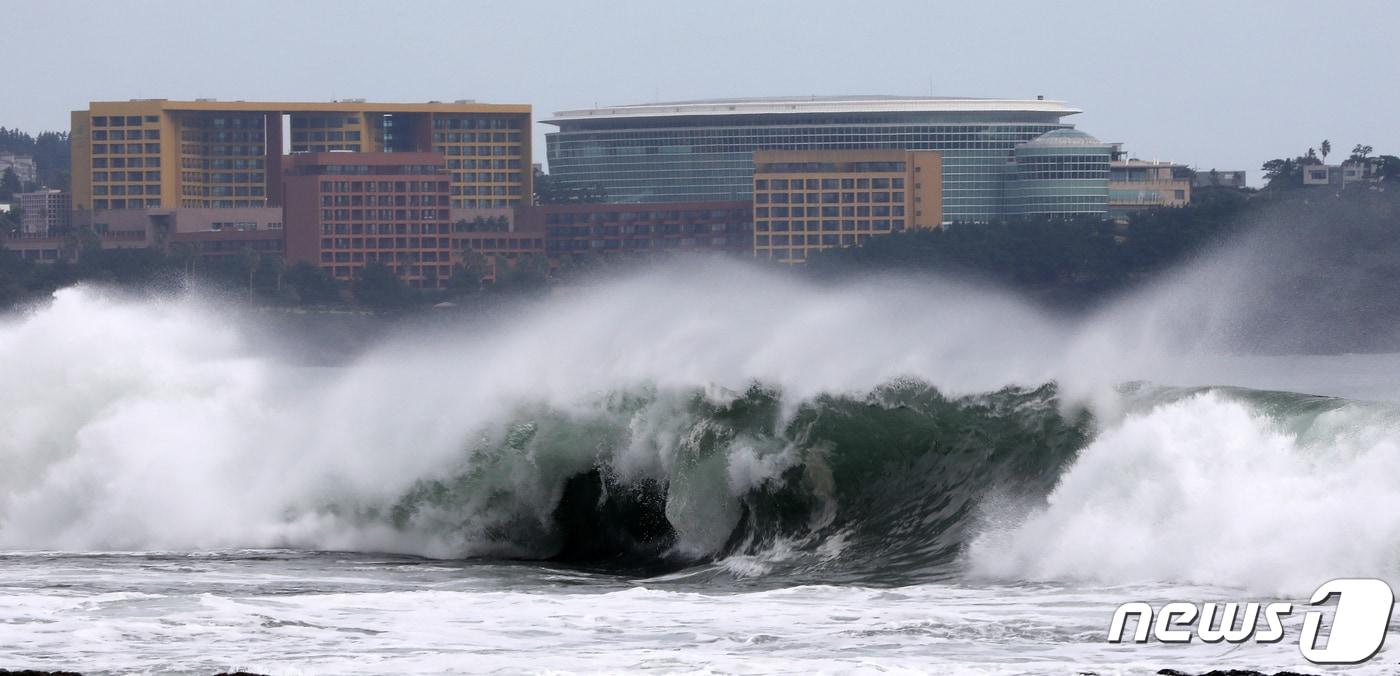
pixel 1061 173
pixel 696 151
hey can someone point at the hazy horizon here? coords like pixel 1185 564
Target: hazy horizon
pixel 1210 85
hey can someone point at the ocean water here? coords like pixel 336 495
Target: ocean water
pixel 296 613
pixel 673 473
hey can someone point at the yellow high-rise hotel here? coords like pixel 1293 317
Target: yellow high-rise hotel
pixel 163 154
pixel 809 200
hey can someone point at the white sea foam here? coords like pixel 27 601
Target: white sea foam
pixel 1210 490
pixel 140 424
pixel 364 619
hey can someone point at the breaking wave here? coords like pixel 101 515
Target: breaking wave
pixel 879 433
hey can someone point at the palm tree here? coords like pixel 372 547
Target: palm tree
pixel 250 260
pixel 1326 149
pixel 187 255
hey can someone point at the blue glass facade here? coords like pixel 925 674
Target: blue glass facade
pixel 686 155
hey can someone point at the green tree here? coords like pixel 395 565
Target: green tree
pixel 467 275
pixel 378 287
pixel 11 220
pixel 49 150
pixel 462 282
pixel 1283 173
pixel 187 256
pixel 249 261
pixel 527 273
pixel 1326 149
pixel 135 267
pixel 52 159
pixel 1388 168
pixel 15 275
pixel 9 185
pixel 84 243
pixel 277 265
pixel 310 285
pixel 1361 152
pixel 548 190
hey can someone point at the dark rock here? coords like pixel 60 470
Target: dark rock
pixel 1229 672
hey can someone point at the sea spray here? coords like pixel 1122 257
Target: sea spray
pixel 677 423
pixel 1270 492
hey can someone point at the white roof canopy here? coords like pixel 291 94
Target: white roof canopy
pixel 817 104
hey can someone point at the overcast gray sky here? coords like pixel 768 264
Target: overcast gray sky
pixel 1206 82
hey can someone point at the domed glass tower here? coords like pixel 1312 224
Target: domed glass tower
pixel 1061 172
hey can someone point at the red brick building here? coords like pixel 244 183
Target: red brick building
pixel 346 210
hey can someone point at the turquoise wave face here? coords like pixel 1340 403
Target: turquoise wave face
pixel 655 480
pixel 901 484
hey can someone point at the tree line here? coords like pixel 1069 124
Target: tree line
pixel 1286 173
pixel 1063 262
pixel 52 161
pixel 260 278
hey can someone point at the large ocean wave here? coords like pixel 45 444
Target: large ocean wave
pixel 882 433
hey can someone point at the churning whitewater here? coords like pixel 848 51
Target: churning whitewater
pixel 915 448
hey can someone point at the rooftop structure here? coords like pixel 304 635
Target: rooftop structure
pixel 816 104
